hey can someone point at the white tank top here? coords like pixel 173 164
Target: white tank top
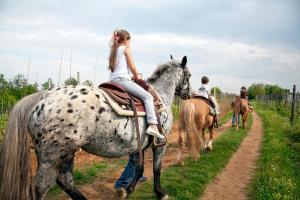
pixel 121 68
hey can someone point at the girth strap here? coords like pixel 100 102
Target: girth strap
pixel 136 122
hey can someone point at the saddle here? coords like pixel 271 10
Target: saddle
pixel 123 98
pixel 133 105
pixel 208 101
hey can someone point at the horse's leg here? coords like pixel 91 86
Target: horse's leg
pixel 65 181
pixel 237 121
pixel 203 138
pixel 157 158
pixel 244 120
pixel 211 138
pixel 139 170
pixel 43 180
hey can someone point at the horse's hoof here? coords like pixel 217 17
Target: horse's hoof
pixel 166 197
pixel 208 148
pixel 120 194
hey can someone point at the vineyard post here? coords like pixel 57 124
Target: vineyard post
pixel 78 78
pixel 49 84
pixel 293 105
pixel 59 74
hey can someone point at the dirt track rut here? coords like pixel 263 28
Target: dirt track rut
pixel 233 181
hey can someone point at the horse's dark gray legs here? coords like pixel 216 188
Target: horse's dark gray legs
pixel 138 172
pixel 158 154
pixel 65 181
pixel 43 180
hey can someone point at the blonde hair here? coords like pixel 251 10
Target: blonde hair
pixel 118 37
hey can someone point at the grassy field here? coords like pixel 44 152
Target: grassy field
pixel 190 180
pixel 278 173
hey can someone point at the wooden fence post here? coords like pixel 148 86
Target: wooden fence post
pixel 49 84
pixel 293 105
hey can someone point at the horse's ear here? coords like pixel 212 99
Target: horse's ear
pixel 183 62
pixel 171 56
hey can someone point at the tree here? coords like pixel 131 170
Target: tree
pixel 218 91
pixel 260 89
pixel 19 87
pixel 256 89
pixel 3 82
pixel 19 81
pixel 71 81
pixel 87 83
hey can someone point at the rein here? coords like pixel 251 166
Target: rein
pixel 178 90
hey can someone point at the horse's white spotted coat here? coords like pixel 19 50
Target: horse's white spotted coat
pixel 68 118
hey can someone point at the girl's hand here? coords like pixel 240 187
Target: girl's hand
pixel 139 76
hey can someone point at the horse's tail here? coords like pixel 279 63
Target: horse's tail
pixel 193 141
pixel 15 159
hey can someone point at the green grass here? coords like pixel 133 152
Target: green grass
pixel 175 111
pixel 278 174
pixel 225 118
pixel 190 180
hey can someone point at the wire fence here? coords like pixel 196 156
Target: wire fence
pixel 286 104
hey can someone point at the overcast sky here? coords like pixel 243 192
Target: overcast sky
pixel 235 43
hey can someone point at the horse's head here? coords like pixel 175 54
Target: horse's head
pixel 183 88
pixel 172 78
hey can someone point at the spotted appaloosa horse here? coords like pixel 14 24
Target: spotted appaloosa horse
pixel 62 120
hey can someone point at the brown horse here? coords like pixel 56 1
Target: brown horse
pixel 241 106
pixel 195 117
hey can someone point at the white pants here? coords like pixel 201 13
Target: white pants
pixel 141 93
pixel 216 104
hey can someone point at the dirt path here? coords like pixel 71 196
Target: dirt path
pixel 104 189
pixel 233 181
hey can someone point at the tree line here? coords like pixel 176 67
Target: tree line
pixel 12 90
pixel 260 89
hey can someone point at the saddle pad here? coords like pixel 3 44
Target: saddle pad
pixel 124 110
pixel 212 111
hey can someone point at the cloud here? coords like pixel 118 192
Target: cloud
pixel 223 60
pixel 234 42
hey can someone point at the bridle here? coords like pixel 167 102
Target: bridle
pixel 179 89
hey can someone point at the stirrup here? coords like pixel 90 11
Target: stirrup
pixel 150 131
pixel 216 124
pixel 160 144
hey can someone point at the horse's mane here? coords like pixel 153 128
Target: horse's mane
pixel 161 69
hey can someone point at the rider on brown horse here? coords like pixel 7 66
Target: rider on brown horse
pixel 243 95
pixel 204 92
